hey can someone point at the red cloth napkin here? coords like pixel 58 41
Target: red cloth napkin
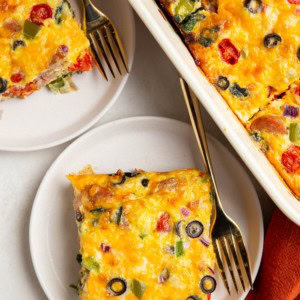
pixel 279 275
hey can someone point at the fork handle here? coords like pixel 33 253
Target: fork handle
pixel 193 106
pixel 89 10
pixel 86 2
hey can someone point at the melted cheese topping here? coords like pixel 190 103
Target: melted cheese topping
pixel 137 249
pixel 258 67
pixel 36 55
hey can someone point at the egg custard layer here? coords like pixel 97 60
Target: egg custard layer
pixel 40 43
pixel 144 235
pixel 250 51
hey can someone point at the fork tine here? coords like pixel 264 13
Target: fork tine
pixel 108 43
pixel 224 249
pixel 220 265
pixel 229 240
pixel 239 239
pixel 118 43
pixel 96 57
pixel 97 36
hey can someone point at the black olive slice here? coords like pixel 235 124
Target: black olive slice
pixel 18 43
pixel 298 53
pixel 131 174
pixel 126 174
pixel 99 210
pixel 79 258
pixel 194 229
pixel 3 85
pixel 179 229
pixel 116 287
pixel 208 280
pixel 79 216
pixel 122 180
pixel 193 298
pixel 272 40
pixel 145 182
pixel 253 6
pixel 222 83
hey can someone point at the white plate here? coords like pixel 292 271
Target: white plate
pixel 44 120
pixel 213 102
pixel 149 143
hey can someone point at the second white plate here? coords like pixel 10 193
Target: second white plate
pixel 45 120
pixel 149 143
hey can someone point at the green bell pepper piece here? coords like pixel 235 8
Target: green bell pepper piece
pixel 294 132
pixel 119 215
pixel 190 22
pixel 30 29
pixel 184 8
pixel 179 250
pixel 138 288
pixel 90 264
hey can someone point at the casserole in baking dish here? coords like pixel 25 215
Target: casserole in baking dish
pixel 220 111
pixel 141 234
pixel 41 44
pixel 254 61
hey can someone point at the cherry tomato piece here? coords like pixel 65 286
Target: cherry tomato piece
pixel 22 92
pixel 17 77
pixel 39 13
pixel 83 63
pixel 291 159
pixel 294 1
pixel 163 224
pixel 228 51
pixel 297 91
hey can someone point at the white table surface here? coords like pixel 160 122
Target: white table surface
pixel 152 89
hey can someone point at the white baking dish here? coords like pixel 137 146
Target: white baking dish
pixel 262 169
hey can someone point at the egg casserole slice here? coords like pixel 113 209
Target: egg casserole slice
pixel 41 44
pixel 277 130
pixel 144 235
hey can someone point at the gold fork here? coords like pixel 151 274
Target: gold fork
pixel 99 28
pixel 225 233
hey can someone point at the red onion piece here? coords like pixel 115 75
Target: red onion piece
pixel 104 248
pixel 205 242
pixel 291 111
pixel 164 276
pixel 185 212
pixel 170 249
pixel 64 48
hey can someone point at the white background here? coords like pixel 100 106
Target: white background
pixel 152 89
